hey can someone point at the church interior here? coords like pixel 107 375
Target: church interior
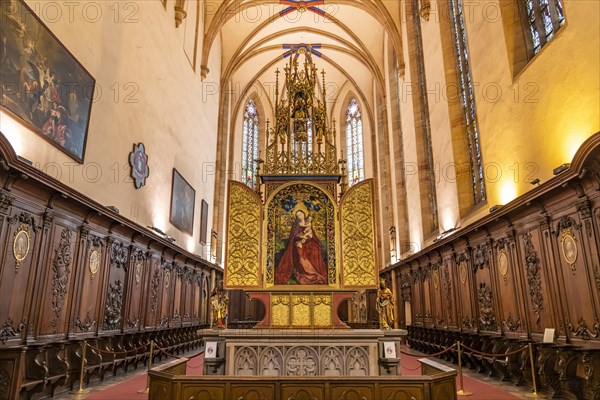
pixel 309 195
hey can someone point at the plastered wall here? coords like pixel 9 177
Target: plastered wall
pixel 147 90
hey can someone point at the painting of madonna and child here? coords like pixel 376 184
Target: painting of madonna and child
pixel 41 82
pixel 303 228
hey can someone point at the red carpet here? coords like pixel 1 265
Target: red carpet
pixel 128 390
pixel 480 390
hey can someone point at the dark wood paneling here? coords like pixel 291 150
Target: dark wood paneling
pixel 88 274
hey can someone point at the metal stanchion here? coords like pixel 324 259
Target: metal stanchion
pixel 535 393
pixel 82 371
pixel 151 354
pixel 462 391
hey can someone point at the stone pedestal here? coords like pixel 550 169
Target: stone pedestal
pixel 214 352
pixel 302 352
pixel 389 351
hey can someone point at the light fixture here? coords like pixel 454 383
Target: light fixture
pixel 536 181
pixel 113 209
pixel 26 161
pixel 161 232
pixel 495 208
pixel 561 168
pixel 443 234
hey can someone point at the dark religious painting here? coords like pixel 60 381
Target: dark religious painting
pixel 203 222
pixel 41 83
pixel 183 198
pixel 300 238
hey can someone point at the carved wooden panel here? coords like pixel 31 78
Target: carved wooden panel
pixel 153 292
pixel 506 265
pixel 133 315
pixel 14 274
pixel 573 268
pixel 536 280
pixel 114 295
pixel 57 281
pixel 166 296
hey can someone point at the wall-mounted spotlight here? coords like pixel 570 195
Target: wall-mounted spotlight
pixel 536 181
pixel 161 232
pixel 113 209
pixel 495 208
pixel 26 161
pixel 443 234
pixel 561 168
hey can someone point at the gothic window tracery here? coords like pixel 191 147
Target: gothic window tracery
pixel 250 144
pixel 354 143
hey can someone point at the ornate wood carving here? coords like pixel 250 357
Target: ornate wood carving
pixel 7 331
pixel 447 285
pixel 86 324
pixel 533 270
pixel 61 268
pixel 583 330
pixel 565 223
pixel 487 318
pixel 4 383
pixel 118 255
pixel 6 201
pixel 510 324
pixel 481 257
pixel 114 303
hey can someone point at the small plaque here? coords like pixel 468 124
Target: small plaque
pixel 389 350
pixel 211 350
pixel 548 335
pixel 167 279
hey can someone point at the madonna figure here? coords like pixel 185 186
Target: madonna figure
pixel 302 260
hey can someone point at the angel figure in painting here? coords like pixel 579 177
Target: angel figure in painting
pixel 219 301
pixel 302 261
pixel 385 305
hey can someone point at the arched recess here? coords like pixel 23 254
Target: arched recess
pixel 230 8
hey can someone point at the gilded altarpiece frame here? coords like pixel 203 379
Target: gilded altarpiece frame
pixel 243 258
pixel 358 236
pixel 281 208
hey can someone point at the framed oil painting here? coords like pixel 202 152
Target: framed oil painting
pixel 183 198
pixel 42 84
pixel 301 237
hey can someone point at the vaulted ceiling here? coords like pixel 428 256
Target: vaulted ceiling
pixel 348 35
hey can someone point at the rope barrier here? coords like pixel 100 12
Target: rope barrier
pixel 493 354
pixel 434 354
pixel 177 357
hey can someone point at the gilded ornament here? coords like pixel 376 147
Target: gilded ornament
pixel 219 302
pixel 358 250
pixel 139 265
pixel 21 244
pixel 94 261
pixel 280 310
pixel 301 308
pixel 243 233
pixel 322 310
pixel 463 272
pixel 503 263
pixel 569 248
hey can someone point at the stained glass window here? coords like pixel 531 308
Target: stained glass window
pixel 467 100
pixel 354 144
pixel 250 144
pixel 544 17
